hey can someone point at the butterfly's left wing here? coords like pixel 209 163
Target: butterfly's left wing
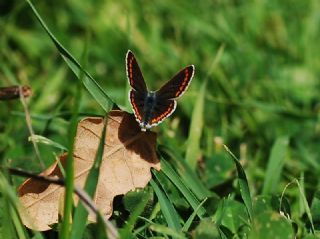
pixel 162 110
pixel 137 103
pixel 175 87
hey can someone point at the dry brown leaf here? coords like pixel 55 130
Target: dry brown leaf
pixel 128 156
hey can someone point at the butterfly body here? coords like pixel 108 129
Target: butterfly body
pixel 152 107
pixel 148 108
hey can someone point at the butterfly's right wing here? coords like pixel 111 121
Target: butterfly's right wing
pixel 176 87
pixel 134 74
pixel 137 102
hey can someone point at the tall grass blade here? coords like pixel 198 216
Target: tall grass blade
pixel 69 171
pixel 126 232
pixel 81 214
pixel 243 184
pixel 197 120
pixel 187 224
pixel 167 208
pixel 303 200
pixel 92 86
pixel 7 228
pixel 20 229
pixel 11 225
pixel 305 204
pixel 275 165
pixel 188 176
pixel 195 130
pixel 100 232
pixel 182 186
pixel 167 231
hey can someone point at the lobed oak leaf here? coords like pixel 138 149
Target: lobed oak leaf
pixel 128 156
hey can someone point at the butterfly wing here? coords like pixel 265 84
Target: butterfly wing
pixel 175 87
pixel 162 110
pixel 137 102
pixel 139 89
pixel 134 74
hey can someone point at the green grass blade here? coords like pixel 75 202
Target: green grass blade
pixel 195 130
pixel 81 214
pixel 222 235
pixel 126 232
pixel 69 171
pixel 43 140
pixel 315 207
pixel 305 204
pixel 167 231
pixel 187 225
pixel 243 184
pixel 100 232
pixel 197 120
pixel 92 86
pixel 162 229
pixel 177 181
pixel 11 224
pixel 303 200
pixel 220 212
pixel 167 209
pixel 275 165
pixel 188 176
pixel 20 229
pixel 7 229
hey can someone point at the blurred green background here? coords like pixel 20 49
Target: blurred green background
pixel 260 60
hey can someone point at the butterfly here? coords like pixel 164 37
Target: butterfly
pixel 152 107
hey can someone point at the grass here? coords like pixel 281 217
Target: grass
pixel 255 90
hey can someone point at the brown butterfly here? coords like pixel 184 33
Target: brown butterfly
pixel 152 107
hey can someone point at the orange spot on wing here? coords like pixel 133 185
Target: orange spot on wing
pixel 130 71
pixel 163 115
pixel 135 108
pixel 184 83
